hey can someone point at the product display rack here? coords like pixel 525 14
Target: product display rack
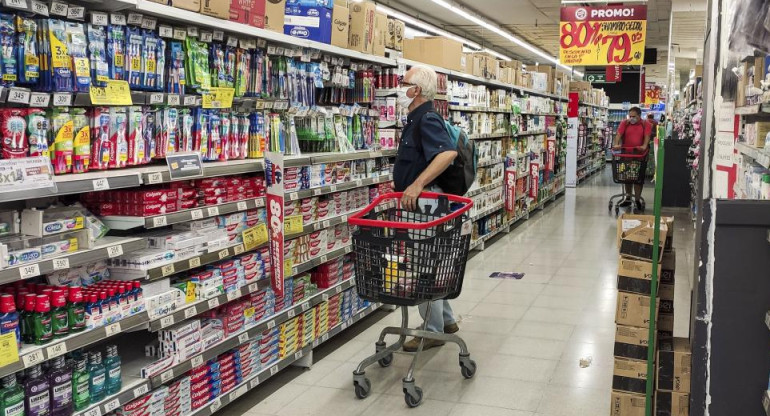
pixel 594 134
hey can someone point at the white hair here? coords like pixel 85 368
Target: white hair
pixel 425 78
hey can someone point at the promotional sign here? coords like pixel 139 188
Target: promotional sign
pixel 572 138
pixel 25 174
pixel 510 189
pixel 534 179
pixel 614 73
pixel 550 158
pixel 274 179
pixel 184 165
pixel 602 36
pixel 651 94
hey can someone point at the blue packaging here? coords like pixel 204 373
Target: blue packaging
pixel 311 23
pixel 329 4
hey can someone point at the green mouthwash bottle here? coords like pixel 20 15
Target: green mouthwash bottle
pixel 80 388
pixel 11 397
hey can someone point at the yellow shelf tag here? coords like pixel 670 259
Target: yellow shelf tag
pixel 288 265
pixel 293 225
pixel 9 350
pixel 254 237
pixel 115 93
pixel 218 98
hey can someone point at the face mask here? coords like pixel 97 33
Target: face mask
pixel 633 120
pixel 402 99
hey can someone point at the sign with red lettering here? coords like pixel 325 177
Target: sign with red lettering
pixel 510 189
pixel 274 179
pixel 550 157
pixel 614 73
pixel 602 36
pixel 651 94
pixel 534 179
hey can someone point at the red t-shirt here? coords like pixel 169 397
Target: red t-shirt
pixel 632 135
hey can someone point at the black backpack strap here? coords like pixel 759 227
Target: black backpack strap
pixel 417 135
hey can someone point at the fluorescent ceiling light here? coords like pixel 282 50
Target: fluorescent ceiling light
pixel 422 25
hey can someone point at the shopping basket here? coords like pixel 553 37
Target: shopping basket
pixel 406 258
pixel 628 168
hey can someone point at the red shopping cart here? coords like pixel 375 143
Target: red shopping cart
pixel 406 258
pixel 628 168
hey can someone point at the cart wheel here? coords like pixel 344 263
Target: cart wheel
pixel 617 211
pixel 363 390
pixel 386 361
pixel 609 207
pixel 468 369
pixel 413 401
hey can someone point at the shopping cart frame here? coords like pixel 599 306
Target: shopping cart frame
pixel 624 154
pixel 384 353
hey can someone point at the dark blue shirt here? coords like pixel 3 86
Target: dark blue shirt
pixel 424 136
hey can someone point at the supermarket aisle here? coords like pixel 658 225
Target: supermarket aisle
pixel 527 336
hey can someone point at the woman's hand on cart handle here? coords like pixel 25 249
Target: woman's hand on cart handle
pixel 642 149
pixel 410 196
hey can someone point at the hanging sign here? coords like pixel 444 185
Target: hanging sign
pixel 613 73
pixel 274 178
pixel 550 157
pixel 651 94
pixel 572 139
pixel 534 179
pixel 510 189
pixel 602 36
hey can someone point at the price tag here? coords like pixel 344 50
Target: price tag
pixel 259 202
pixel 166 376
pixel 156 97
pixel 218 35
pixel 76 12
pixel 338 289
pixel 190 100
pixel 333 188
pixel 167 270
pixel 56 350
pixel 254 383
pixel 298 355
pixel 317 191
pixel 32 270
pixel 113 329
pixel 149 23
pixel 61 264
pixel 115 251
pixel 260 105
pixel 213 303
pixel 359 182
pixel 344 325
pixel 231 296
pixel 293 196
pixel 179 34
pixel 95 411
pixel 194 262
pixel 242 206
pixel 39 99
pixel 361 315
pixel 223 254
pixel 215 405
pixel 141 390
pixel 118 19
pixel 291 314
pixel 197 361
pixel 62 99
pixel 33 358
pixel 325 224
pixel 238 249
pixel 305 306
pixel 324 259
pixel 270 324
pixel 167 321
pixel 190 312
pixel 100 19
pixel 38 7
pixel 206 37
pixel 293 224
pixel 172 99
pixel 254 236
pixel 192 31
pixel 135 19
pixel 261 43
pixel 196 214
pixel 58 9
pixel 325 337
pixel 18 96
pixel 101 184
pixel 232 41
pixel 213 211
pixel 271 50
pixel 269 105
pixel 243 338
pixel 115 93
pixel 154 178
pixel 16 4
pixel 273 370
pixel 253 287
pixel 159 221
pixel 111 405
pixel 325 297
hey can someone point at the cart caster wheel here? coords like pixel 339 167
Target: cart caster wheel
pixel 363 390
pixel 413 401
pixel 386 361
pixel 468 369
pixel 617 211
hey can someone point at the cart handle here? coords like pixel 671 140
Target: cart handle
pixel 616 153
pixel 356 219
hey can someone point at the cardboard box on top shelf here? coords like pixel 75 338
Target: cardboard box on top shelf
pixel 361 36
pixel 550 73
pixel 436 50
pixel 311 23
pixel 390 40
pixel 631 342
pixel 538 81
pixel 380 33
pixel 627 404
pixel 635 276
pixel 340 24
pixel 216 8
pixel 669 403
pixel 249 12
pixel 629 376
pixel 665 325
pixel 505 75
pixel 675 367
pixel 192 5
pixel 475 64
pixel 275 11
pixel 399 41
pixel 578 86
pixel 633 309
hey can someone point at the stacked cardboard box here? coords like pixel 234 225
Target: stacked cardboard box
pixel 672 378
pixel 632 315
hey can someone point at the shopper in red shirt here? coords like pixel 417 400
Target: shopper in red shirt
pixel 633 133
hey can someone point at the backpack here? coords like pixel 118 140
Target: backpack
pixel 460 175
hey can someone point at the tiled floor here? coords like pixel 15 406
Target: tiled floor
pixel 527 336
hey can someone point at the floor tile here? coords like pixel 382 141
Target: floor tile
pixel 327 401
pixel 478 410
pixel 533 347
pixel 545 330
pixel 506 393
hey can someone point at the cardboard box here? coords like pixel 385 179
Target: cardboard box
pixel 275 11
pixel 631 342
pixel 672 404
pixel 390 39
pixel 635 275
pixel 311 23
pixel 675 367
pixel 192 5
pixel 399 40
pixel 668 267
pixel 340 25
pixel 665 324
pixel 505 75
pixel 666 291
pixel 633 310
pixel 249 12
pixel 627 404
pixel 361 32
pixel 216 8
pixel 637 236
pixel 380 33
pixel 629 376
pixel 435 50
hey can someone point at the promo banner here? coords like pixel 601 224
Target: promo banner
pixel 534 177
pixel 651 94
pixel 274 179
pixel 602 36
pixel 550 158
pixel 510 189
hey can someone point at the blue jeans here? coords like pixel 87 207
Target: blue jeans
pixel 440 315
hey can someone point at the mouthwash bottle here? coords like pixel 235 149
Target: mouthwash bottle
pixel 76 310
pixel 37 399
pixel 28 322
pixel 112 365
pixel 97 376
pixel 59 316
pixel 80 385
pixel 41 319
pixel 9 319
pixel 60 382
pixel 11 397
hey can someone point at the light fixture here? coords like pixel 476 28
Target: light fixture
pixel 427 27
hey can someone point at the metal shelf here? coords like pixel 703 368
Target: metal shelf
pixel 489 136
pixel 317 261
pixel 307 159
pixel 321 224
pixel 758 155
pixel 484 188
pixel 194 262
pixel 119 222
pixel 486 212
pixel 584 104
pixel 328 189
pixel 479 109
pixel 530 133
pixel 542 114
pixel 107 247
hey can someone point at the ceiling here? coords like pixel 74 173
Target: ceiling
pixel 537 22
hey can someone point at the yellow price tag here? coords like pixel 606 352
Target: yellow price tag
pixel 9 350
pixel 288 265
pixel 218 98
pixel 293 225
pixel 115 93
pixel 254 237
